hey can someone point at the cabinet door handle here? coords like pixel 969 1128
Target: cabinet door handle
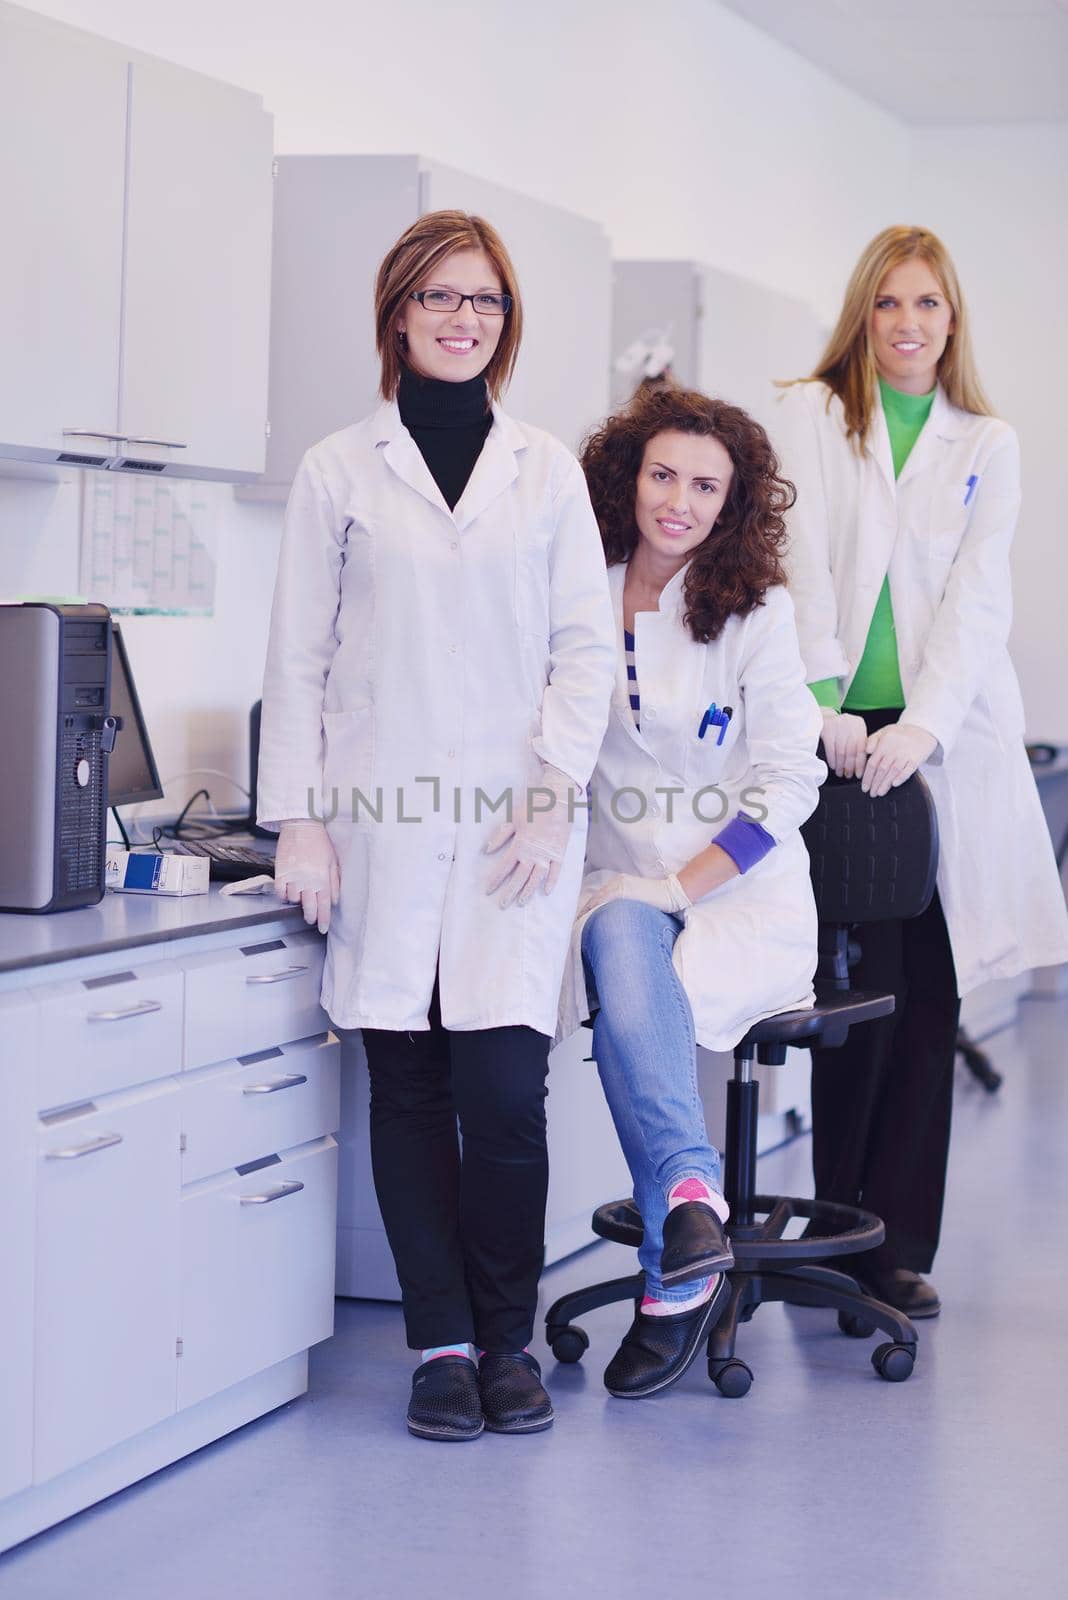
pixel 74 1151
pixel 141 1009
pixel 92 433
pixel 280 1193
pixel 164 444
pixel 290 1081
pixel 276 977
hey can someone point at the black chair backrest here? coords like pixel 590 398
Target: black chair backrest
pixel 872 860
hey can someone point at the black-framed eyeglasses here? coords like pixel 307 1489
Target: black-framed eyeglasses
pixel 485 305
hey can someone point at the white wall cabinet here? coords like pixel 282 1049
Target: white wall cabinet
pixel 135 279
pixel 334 219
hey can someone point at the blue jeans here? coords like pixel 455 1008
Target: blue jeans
pixel 646 1053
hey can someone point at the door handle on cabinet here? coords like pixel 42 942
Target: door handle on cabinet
pixel 290 1081
pixel 141 1009
pixel 164 444
pixel 281 1193
pixel 276 977
pixel 72 1153
pixel 92 433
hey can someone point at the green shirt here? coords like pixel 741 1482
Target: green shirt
pixel 877 681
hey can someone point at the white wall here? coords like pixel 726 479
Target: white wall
pixel 998 196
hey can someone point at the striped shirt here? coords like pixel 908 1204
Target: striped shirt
pixel 632 677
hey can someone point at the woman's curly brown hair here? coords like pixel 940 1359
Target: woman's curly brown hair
pixel 741 559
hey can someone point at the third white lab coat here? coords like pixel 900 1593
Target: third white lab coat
pixel 748 949
pixel 420 655
pixel 943 532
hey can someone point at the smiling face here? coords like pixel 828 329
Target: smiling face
pixel 681 490
pixel 910 324
pixel 453 345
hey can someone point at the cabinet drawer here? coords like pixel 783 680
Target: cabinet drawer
pixel 258 1105
pixel 102 1034
pixel 252 998
pixel 106 1297
pixel 257 1256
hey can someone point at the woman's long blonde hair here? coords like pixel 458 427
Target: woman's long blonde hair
pixel 847 365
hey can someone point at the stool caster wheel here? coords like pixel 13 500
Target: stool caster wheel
pixel 569 1344
pixel 732 1378
pixel 894 1362
pixel 855 1326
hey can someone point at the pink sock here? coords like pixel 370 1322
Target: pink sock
pixel 652 1307
pixel 697 1189
pixel 436 1351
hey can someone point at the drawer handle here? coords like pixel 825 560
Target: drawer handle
pixel 92 433
pixel 164 444
pixel 74 1151
pixel 141 1009
pixel 276 977
pixel 290 1081
pixel 280 1193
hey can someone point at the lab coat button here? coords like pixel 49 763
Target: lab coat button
pixel 648 713
pixel 654 810
pixel 452 649
pixel 442 856
pixel 453 545
pixel 451 754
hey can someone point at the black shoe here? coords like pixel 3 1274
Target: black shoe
pixel 695 1245
pixel 445 1403
pixel 657 1350
pixel 904 1290
pixel 513 1400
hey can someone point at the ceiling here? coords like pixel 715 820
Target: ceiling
pixel 934 61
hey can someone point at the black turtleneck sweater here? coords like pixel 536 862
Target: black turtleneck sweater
pixel 449 422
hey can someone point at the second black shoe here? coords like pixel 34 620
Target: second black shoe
pixel 695 1245
pixel 513 1400
pixel 656 1351
pixel 445 1403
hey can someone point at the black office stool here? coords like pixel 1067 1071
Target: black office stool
pixel 870 860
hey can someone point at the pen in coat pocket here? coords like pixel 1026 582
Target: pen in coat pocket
pixel 970 487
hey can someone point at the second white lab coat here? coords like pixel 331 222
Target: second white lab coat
pixel 748 949
pixel 419 656
pixel 943 532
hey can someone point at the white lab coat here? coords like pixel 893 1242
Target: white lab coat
pixel 748 949
pixel 950 587
pixel 411 644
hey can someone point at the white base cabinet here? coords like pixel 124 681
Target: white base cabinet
pixel 168 1238
pixel 107 1292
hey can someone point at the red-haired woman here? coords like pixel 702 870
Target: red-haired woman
pixel 697 916
pixel 441 643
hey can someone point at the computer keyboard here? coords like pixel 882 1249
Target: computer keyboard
pixel 231 857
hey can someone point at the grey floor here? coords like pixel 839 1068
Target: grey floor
pixel 823 1481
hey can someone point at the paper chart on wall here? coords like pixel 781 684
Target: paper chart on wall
pixel 148 545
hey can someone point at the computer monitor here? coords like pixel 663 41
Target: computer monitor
pixel 132 772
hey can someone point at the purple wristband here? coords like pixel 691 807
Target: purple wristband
pixel 745 842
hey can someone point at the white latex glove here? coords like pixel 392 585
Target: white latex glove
pixel 845 742
pixel 306 869
pixel 533 844
pixel 666 894
pixel 894 753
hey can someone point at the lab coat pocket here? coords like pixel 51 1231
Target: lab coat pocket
pixel 348 763
pixel 706 759
pixel 532 582
pixel 947 520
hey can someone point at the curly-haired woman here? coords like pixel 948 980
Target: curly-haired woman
pixel 697 916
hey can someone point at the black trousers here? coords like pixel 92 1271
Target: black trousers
pixel 466 1226
pixel 882 1104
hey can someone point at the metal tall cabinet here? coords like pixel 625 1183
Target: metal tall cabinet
pixel 334 218
pixel 729 336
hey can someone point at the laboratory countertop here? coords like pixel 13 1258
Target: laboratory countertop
pixel 121 921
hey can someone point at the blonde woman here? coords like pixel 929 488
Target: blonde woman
pixel 442 644
pixel 907 494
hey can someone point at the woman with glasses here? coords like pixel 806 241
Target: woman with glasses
pixel 907 492
pixel 437 684
pixel 697 916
